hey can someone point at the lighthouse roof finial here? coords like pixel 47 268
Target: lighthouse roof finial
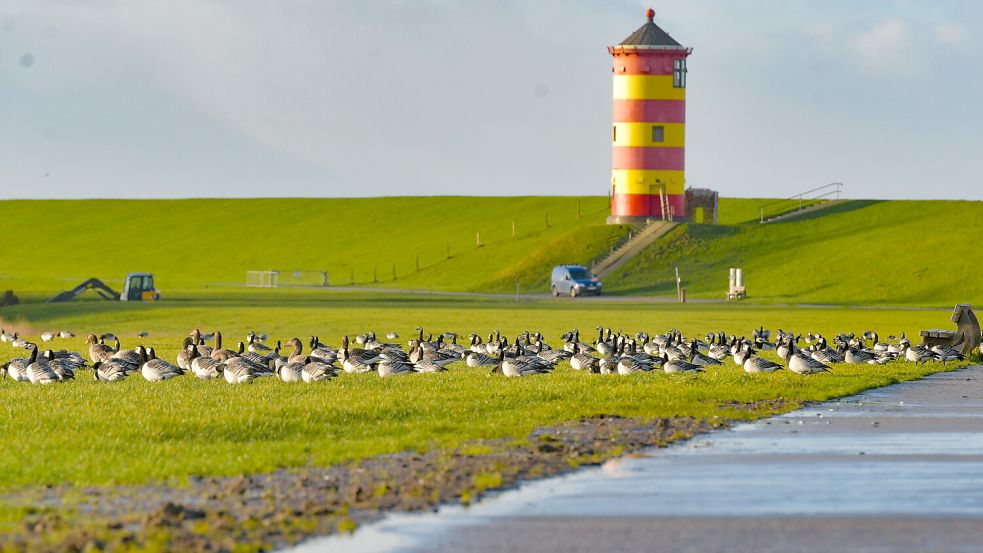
pixel 650 35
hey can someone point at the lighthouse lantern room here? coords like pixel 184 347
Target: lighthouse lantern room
pixel 648 154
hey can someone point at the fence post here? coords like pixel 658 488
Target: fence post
pixel 477 239
pixel 762 215
pixel 324 278
pixel 448 250
pixel 375 274
pixel 513 228
pixel 547 218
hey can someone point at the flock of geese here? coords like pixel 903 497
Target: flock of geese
pixel 526 355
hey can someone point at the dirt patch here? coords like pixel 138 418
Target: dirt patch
pixel 275 510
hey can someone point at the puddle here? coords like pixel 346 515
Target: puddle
pixel 911 450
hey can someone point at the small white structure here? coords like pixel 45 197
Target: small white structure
pixel 736 290
pixel 262 279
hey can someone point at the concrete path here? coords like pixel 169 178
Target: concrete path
pixel 894 469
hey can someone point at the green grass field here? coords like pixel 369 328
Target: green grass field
pixel 87 433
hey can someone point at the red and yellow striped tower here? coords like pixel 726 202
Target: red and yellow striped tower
pixel 647 177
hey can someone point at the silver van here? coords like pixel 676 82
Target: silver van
pixel 574 280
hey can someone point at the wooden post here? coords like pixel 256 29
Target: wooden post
pixel 513 228
pixel 375 274
pixel 477 239
pixel 547 218
pixel 448 250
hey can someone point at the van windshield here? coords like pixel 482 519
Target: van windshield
pixel 580 273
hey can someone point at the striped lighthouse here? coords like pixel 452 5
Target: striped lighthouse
pixel 648 155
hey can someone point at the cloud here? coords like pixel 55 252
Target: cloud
pixel 886 44
pixel 952 34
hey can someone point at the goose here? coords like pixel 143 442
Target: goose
pixel 630 365
pixel 47 336
pixel 157 370
pixel 66 334
pixel 512 368
pixel 292 371
pixel 919 354
pixel 256 346
pixel 218 352
pixel 19 342
pixel 442 358
pixel 128 356
pixel 97 351
pixel 316 371
pixel 242 371
pixel 476 345
pixel 428 366
pixel 800 364
pixel 183 358
pixel 756 365
pixel 204 368
pixel 17 369
pixel 357 360
pixel 675 366
pixel 252 357
pixel 64 367
pixel 322 352
pixel 110 371
pixel 4 337
pixel 198 339
pixel 824 354
pixel 584 362
pixel 476 359
pixel 394 368
pixel 856 356
pixel 38 370
pixel 946 353
pixel 718 350
pixel 697 358
pixel 392 335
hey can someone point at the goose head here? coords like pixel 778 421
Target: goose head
pixel 34 355
pixel 152 353
pixel 91 340
pixel 299 347
pixel 218 339
pixel 241 348
pixel 143 353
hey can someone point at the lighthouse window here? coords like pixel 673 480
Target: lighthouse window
pixel 658 133
pixel 679 73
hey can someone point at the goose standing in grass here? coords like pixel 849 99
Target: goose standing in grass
pixel 946 353
pixel 97 351
pixel 697 358
pixel 4 337
pixel 297 355
pixel 47 336
pixel 357 360
pixel 800 364
pixel 756 365
pixel 38 370
pixel 66 334
pixel 204 368
pixel 157 370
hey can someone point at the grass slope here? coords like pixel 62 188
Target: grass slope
pixel 189 244
pixel 859 252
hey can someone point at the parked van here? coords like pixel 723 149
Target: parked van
pixel 574 280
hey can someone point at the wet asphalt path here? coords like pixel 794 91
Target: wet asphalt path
pixel 894 469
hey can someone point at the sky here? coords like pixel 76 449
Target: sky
pixel 351 98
